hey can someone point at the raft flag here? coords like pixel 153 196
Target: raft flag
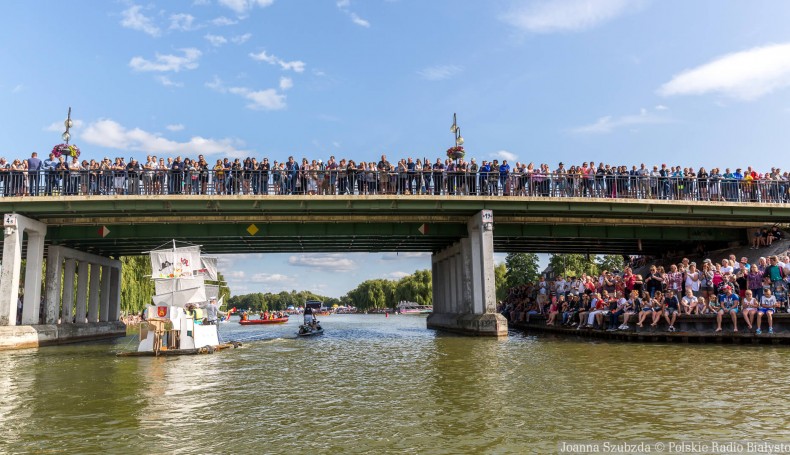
pixel 423 229
pixel 103 231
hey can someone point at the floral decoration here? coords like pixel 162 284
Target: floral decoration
pixel 455 152
pixel 66 150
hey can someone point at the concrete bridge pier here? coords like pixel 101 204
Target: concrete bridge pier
pixel 14 228
pixel 464 289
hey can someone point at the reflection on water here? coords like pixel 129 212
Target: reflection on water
pixel 386 385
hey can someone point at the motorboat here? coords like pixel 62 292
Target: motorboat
pixel 311 326
pixel 263 321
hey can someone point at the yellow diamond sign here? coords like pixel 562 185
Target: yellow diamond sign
pixel 252 229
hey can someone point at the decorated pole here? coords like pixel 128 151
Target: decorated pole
pixel 66 149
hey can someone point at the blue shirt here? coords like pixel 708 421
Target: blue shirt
pixel 504 169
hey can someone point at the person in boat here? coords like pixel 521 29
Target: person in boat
pixel 309 320
pixel 244 316
pixel 195 312
pixel 264 315
pixel 212 311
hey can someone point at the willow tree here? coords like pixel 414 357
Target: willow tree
pixel 137 288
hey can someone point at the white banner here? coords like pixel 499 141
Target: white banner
pixel 209 267
pixel 184 261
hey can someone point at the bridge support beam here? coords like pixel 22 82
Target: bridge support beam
pixel 464 289
pixel 14 229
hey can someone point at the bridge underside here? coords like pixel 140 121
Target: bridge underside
pixel 375 237
pixel 248 224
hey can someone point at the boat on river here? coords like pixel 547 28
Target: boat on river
pixel 263 321
pixel 311 326
pixel 413 308
pixel 174 324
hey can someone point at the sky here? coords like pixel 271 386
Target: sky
pixel 697 83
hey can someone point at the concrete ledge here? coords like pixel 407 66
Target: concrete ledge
pixel 537 323
pixel 489 324
pixel 33 336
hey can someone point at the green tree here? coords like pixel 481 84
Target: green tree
pixel 500 278
pixel 522 268
pixel 611 262
pixel 573 264
pixel 137 288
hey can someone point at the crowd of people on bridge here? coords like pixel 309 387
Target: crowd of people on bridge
pixel 407 176
pixel 731 288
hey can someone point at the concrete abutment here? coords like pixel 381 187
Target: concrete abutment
pixel 81 291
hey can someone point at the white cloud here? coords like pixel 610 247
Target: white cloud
pixel 241 7
pixel 167 82
pixel 403 256
pixel 548 16
pixel 133 19
pixel 60 127
pixel 168 62
pixel 286 83
pixel 745 75
pixel 296 65
pixel 270 278
pixel 216 40
pixel 111 134
pixel 344 5
pixel 182 22
pixel 336 262
pixel 607 124
pixel 504 155
pixel 176 127
pixel 661 107
pixel 396 275
pixel 241 39
pixel 18 88
pixel 439 73
pixel 234 275
pixel 223 21
pixel 359 21
pixel 268 99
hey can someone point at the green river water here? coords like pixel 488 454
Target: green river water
pixel 372 384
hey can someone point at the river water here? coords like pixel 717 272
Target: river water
pixel 372 384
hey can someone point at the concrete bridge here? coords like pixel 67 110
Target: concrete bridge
pixel 462 233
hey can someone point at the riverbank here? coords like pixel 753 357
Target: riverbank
pixel 690 329
pixel 33 336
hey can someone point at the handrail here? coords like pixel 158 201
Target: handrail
pixel 374 182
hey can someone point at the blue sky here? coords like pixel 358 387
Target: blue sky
pixel 689 83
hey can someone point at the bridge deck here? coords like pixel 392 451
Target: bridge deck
pixel 249 223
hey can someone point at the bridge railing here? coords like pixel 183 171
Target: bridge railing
pixel 371 182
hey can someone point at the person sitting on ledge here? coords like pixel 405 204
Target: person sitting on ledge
pixel 729 305
pixel 689 302
pixel 658 308
pixel 767 308
pixel 671 307
pixel 749 306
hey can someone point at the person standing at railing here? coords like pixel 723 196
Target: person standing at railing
pixel 346 171
pixel 248 169
pixel 5 176
pixel 264 169
pixel 410 176
pixel 33 174
pixel 504 172
pixel 426 176
pixel 471 177
pixel 50 176
pixel 438 169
